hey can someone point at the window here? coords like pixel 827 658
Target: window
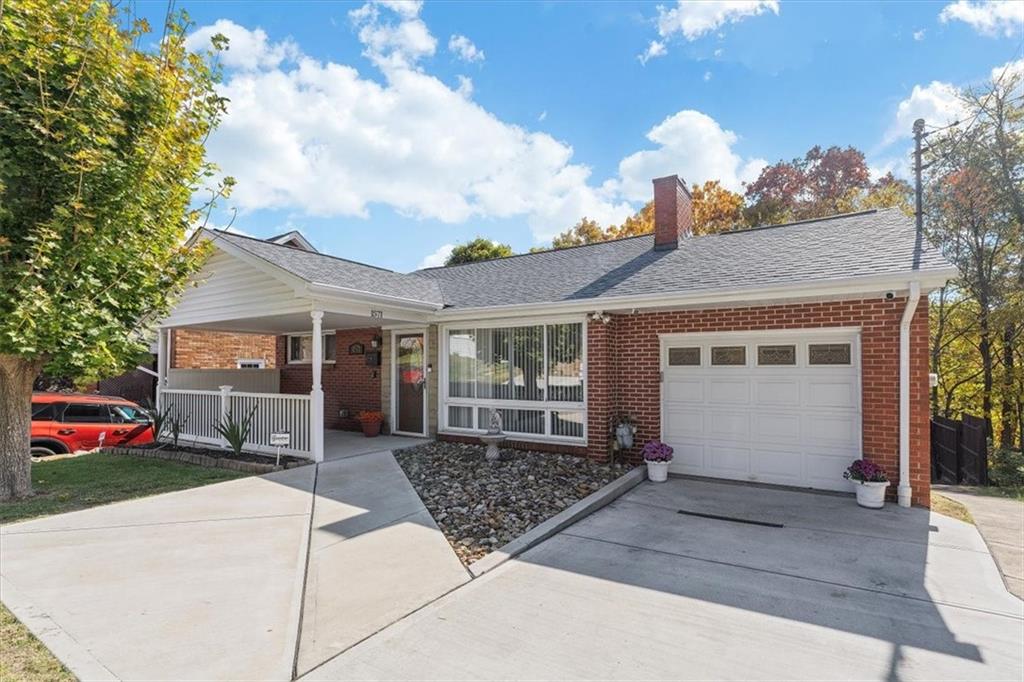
pixel 776 355
pixel 828 353
pixel 86 413
pixel 684 357
pixel 43 412
pixel 128 414
pixel 300 348
pixel 507 367
pixel 254 363
pixel 729 355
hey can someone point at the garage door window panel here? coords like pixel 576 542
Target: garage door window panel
pixel 684 357
pixel 828 354
pixel 775 356
pixel 729 356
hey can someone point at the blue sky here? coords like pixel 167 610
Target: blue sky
pixel 387 132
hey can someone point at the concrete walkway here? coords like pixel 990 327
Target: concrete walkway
pixel 1001 522
pixel 211 583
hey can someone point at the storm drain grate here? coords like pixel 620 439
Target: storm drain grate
pixel 734 519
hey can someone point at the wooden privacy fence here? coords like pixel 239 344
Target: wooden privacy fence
pixel 959 450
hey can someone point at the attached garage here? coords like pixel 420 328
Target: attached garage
pixel 781 407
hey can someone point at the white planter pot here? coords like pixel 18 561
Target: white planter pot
pixel 871 494
pixel 624 434
pixel 657 471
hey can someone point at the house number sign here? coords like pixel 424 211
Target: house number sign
pixel 376 314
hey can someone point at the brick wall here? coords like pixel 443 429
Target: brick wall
pixel 624 371
pixel 348 383
pixel 200 349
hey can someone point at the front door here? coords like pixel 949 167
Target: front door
pixel 410 383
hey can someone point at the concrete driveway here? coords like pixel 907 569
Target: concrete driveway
pixel 640 591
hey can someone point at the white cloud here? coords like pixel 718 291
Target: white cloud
pixel 247 49
pixel 390 44
pixel 436 259
pixel 655 49
pixel 543 116
pixel 990 17
pixel 464 49
pixel 693 145
pixel 919 35
pixel 707 76
pixel 318 138
pixel 694 19
pixel 1008 70
pixel 937 103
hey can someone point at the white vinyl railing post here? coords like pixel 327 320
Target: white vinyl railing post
pixel 316 393
pixel 162 363
pixel 225 409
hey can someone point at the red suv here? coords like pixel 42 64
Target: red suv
pixel 67 422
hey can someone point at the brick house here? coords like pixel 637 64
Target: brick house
pixel 775 354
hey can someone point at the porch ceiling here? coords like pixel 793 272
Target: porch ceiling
pixel 292 323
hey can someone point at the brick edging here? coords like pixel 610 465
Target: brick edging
pixel 203 460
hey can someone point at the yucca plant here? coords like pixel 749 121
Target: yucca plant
pixel 176 425
pixel 159 420
pixel 236 432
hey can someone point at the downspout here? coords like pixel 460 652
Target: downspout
pixel 903 490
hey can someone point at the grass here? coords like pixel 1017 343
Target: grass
pixel 23 657
pixel 947 507
pixel 89 480
pixel 1014 492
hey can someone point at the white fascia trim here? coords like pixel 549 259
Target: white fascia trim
pixel 821 289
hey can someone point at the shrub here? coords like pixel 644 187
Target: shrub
pixel 865 470
pixel 236 433
pixel 656 451
pixel 176 426
pixel 1006 467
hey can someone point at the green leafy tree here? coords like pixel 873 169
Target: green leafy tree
pixel 477 250
pixel 101 152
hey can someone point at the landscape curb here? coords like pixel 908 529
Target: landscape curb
pixel 202 460
pixel 563 519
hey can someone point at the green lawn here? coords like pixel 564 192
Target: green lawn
pixel 23 657
pixel 89 480
pixel 1014 492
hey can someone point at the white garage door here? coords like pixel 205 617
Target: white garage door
pixel 773 407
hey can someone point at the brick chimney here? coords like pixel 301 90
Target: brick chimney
pixel 673 212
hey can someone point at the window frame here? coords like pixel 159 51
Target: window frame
pixel 547 406
pixel 309 335
pixel 260 363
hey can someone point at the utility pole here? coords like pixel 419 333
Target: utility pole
pixel 918 138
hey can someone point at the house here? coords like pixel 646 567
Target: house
pixel 775 354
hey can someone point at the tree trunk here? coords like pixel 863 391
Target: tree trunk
pixel 16 377
pixel 1008 408
pixel 985 349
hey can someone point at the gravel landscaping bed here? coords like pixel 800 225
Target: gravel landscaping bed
pixel 482 505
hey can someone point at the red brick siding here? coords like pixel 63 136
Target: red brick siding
pixel 348 383
pixel 624 371
pixel 199 349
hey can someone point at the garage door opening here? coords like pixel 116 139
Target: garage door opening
pixel 771 407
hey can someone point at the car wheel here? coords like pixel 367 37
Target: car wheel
pixel 42 451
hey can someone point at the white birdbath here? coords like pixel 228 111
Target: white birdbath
pixel 493 437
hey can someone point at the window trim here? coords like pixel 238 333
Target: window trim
pixel 445 400
pixel 288 348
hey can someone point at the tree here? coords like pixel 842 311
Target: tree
pixel 477 250
pixel 586 231
pixel 101 152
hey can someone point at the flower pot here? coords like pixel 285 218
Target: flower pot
pixel 624 434
pixel 657 471
pixel 371 429
pixel 871 494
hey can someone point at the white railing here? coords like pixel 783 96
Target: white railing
pixel 201 411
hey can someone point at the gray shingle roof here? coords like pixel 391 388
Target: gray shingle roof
pixel 838 247
pixel 319 268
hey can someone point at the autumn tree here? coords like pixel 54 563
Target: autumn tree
pixel 101 152
pixel 477 250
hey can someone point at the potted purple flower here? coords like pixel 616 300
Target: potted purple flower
pixel 870 483
pixel 657 455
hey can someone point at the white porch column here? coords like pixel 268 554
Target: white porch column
pixel 162 363
pixel 316 394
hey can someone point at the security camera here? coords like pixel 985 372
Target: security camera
pixel 889 295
